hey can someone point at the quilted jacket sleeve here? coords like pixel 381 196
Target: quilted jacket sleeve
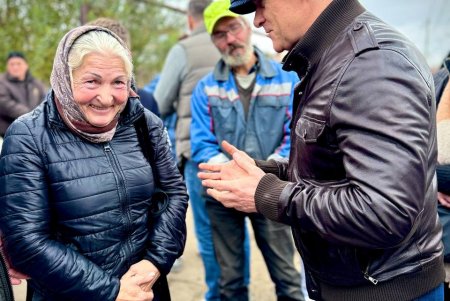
pixel 25 221
pixel 168 234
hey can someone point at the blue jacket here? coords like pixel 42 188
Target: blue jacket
pixel 217 113
pixel 75 214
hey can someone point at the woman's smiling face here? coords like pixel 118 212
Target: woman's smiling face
pixel 100 88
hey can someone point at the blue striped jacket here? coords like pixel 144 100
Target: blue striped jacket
pixel 218 114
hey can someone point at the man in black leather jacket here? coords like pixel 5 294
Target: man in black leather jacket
pixel 359 189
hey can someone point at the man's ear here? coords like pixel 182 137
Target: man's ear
pixel 191 22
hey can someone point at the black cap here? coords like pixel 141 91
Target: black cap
pixel 242 7
pixel 16 54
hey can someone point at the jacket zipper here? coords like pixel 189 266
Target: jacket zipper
pixel 122 195
pixel 368 277
pixel 4 280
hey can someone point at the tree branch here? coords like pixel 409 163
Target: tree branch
pixel 167 6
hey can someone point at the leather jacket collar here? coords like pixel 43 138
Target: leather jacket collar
pixel 307 52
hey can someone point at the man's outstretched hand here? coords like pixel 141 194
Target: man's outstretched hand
pixel 233 183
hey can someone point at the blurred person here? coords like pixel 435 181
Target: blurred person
pixel 442 88
pixel 245 99
pixel 186 63
pixel 20 92
pixel 359 189
pixel 76 188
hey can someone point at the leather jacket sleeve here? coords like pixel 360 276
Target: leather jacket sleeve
pixel 277 167
pixel 25 220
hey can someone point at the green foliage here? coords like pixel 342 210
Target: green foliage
pixel 36 27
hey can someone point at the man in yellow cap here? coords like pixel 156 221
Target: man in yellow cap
pixel 244 100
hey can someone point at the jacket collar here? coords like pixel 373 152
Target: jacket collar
pixel 331 22
pixel 27 78
pixel 265 68
pixel 133 110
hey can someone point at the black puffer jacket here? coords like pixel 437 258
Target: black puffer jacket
pixel 75 214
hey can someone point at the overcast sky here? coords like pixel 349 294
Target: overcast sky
pixel 425 22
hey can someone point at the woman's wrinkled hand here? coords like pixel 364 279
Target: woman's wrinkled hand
pixel 444 199
pixel 15 276
pixel 131 288
pixel 143 268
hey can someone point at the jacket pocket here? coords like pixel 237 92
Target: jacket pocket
pixel 319 157
pixel 309 130
pixel 223 114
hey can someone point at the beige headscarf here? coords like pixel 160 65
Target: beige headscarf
pixel 69 110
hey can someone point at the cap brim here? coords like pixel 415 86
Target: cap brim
pixel 243 7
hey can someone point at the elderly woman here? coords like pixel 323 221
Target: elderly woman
pixel 75 185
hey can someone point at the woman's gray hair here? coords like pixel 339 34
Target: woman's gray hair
pixel 100 42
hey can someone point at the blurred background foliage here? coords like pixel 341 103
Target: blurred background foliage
pixel 36 27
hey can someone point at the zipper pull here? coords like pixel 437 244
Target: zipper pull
pixel 107 148
pixel 371 279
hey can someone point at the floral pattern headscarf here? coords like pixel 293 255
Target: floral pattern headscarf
pixel 60 82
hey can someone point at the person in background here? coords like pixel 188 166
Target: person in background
pixel 20 92
pixel 359 188
pixel 245 99
pixel 77 182
pixel 442 88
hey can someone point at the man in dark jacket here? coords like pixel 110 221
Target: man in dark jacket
pixel 20 92
pixel 359 189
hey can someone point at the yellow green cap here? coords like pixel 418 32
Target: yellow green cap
pixel 215 11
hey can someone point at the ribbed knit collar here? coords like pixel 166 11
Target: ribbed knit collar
pixel 330 23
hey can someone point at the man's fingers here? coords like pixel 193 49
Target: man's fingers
pixel 209 175
pixel 244 161
pixel 210 167
pixel 222 185
pixel 224 197
pixel 229 148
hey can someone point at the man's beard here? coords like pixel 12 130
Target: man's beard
pixel 239 59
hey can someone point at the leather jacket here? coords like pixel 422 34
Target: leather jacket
pixel 361 191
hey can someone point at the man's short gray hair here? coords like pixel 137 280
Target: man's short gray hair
pixel 196 8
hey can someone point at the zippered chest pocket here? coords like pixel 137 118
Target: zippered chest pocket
pixel 319 156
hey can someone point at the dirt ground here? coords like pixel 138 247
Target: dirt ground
pixel 188 285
